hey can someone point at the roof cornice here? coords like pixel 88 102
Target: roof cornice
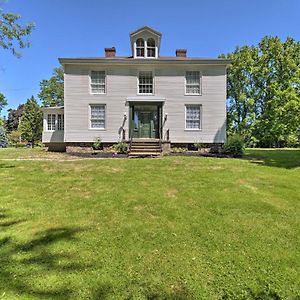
pixel 161 61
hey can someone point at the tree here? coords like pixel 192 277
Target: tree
pixel 52 90
pixel 264 92
pixel 13 119
pixel 31 121
pixel 12 33
pixel 3 102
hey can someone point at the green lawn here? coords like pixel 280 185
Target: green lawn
pixel 170 228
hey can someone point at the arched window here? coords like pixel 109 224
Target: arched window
pixel 150 48
pixel 140 48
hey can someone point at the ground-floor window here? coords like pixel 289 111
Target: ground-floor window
pixel 97 119
pixel 60 122
pixel 193 117
pixel 51 120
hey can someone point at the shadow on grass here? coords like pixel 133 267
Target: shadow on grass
pixel 6 166
pixel 280 158
pixel 23 266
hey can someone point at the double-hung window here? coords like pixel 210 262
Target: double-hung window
pixel 98 80
pixel 193 83
pixel 145 82
pixel 193 117
pixel 97 113
pixel 60 122
pixel 51 120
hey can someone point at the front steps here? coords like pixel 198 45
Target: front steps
pixel 145 148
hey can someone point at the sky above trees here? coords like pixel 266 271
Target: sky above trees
pixel 68 28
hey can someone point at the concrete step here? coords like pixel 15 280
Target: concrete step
pixel 143 154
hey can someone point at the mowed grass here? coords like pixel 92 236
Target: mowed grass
pixel 170 228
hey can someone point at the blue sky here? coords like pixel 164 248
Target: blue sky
pixel 70 28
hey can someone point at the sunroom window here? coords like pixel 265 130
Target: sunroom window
pixel 51 120
pixel 150 48
pixel 140 48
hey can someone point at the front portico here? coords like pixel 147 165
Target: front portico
pixel 145 119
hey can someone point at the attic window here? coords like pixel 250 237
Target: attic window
pixel 150 48
pixel 140 48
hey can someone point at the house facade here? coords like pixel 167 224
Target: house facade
pixel 146 96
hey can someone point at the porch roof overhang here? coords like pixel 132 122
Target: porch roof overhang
pixel 145 99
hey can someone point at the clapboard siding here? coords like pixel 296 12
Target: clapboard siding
pixel 122 83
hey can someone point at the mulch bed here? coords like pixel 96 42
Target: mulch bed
pixel 97 155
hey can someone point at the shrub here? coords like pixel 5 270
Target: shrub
pixel 293 141
pixel 234 146
pixel 20 145
pixel 121 147
pixel 199 145
pixel 97 145
pixel 14 137
pixel 3 139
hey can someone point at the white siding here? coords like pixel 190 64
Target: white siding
pixel 169 83
pixel 56 136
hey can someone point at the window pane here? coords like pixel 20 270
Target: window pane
pixel 98 82
pixel 193 82
pixel 145 83
pixel 98 116
pixel 193 114
pixel 60 122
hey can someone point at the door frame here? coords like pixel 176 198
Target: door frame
pixel 159 110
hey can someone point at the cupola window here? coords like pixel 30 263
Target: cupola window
pixel 140 48
pixel 150 47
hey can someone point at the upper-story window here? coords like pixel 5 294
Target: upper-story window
pixel 145 82
pixel 140 48
pixel 98 82
pixel 193 83
pixel 150 48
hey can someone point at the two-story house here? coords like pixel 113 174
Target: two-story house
pixel 145 96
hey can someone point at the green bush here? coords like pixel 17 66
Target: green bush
pixel 3 138
pixel 20 145
pixel 14 137
pixel 97 145
pixel 234 146
pixel 199 145
pixel 293 141
pixel 121 147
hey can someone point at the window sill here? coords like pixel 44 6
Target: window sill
pixel 97 129
pixel 192 94
pixel 190 129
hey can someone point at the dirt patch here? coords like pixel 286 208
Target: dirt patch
pixel 172 193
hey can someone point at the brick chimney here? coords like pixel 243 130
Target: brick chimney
pixel 110 52
pixel 180 52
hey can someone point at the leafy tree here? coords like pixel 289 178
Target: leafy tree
pixel 52 90
pixel 13 119
pixel 12 33
pixel 31 121
pixel 3 101
pixel 264 93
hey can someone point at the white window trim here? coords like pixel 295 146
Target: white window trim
pixel 90 82
pixel 90 116
pixel 47 123
pixel 200 124
pixel 138 79
pixel 193 94
pixel 145 50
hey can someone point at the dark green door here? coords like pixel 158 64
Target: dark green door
pixel 144 121
pixel 145 124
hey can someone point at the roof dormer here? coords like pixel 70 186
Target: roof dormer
pixel 145 43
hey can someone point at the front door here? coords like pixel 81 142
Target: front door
pixel 145 124
pixel 144 121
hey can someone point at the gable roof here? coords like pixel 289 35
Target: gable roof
pixel 145 28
